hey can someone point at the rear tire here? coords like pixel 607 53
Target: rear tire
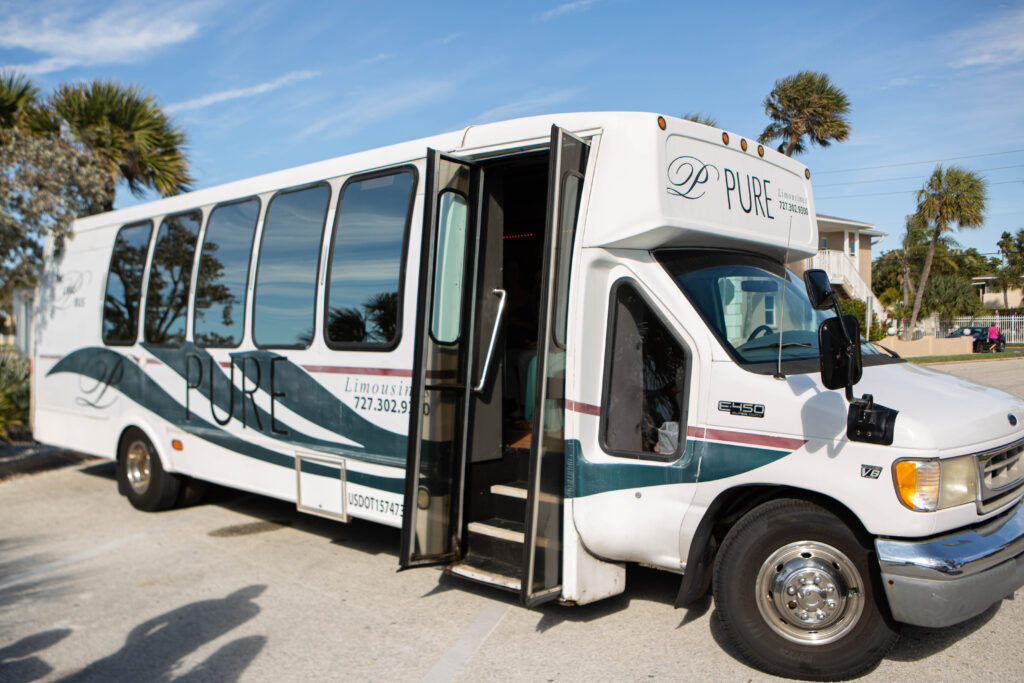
pixel 797 595
pixel 141 476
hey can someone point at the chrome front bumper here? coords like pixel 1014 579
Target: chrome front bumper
pixel 946 579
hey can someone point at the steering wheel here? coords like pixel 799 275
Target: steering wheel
pixel 759 331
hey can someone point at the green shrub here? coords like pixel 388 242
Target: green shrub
pixel 858 309
pixel 13 394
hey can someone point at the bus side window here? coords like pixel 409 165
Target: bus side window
pixel 170 276
pixel 284 299
pixel 123 294
pixel 644 407
pixel 224 273
pixel 365 275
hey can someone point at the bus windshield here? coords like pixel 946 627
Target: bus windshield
pixel 756 308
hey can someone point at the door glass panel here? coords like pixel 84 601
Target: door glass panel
pixel 432 520
pixel 543 570
pixel 570 206
pixel 450 261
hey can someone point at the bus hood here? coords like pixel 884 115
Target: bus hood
pixel 941 411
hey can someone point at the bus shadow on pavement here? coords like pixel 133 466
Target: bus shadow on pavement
pixel 154 650
pixel 357 534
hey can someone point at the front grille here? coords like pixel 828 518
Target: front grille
pixel 1000 474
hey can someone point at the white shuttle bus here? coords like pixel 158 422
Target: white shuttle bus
pixel 545 348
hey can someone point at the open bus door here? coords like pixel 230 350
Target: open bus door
pixel 444 398
pixel 441 385
pixel 542 557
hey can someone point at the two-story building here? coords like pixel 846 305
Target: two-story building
pixel 844 252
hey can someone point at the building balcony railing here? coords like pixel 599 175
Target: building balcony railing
pixel 843 272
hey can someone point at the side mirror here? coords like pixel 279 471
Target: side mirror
pixel 819 289
pixel 839 351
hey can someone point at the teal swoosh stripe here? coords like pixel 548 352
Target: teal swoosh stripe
pixel 299 392
pixel 702 461
pixel 100 364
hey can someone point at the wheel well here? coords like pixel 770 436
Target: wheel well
pixel 725 510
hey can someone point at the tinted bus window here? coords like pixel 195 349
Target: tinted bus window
pixel 285 294
pixel 224 273
pixel 645 385
pixel 170 277
pixel 124 284
pixel 366 260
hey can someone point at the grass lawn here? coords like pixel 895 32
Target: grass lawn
pixel 1010 353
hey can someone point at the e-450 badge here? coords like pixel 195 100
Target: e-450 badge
pixel 742 409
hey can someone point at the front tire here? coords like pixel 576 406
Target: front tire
pixel 797 595
pixel 141 476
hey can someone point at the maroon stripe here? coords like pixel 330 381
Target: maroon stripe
pixel 347 370
pixel 747 438
pixel 584 408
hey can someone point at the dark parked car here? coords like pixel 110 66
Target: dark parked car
pixel 980 334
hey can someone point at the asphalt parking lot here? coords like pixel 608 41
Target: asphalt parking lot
pixel 242 587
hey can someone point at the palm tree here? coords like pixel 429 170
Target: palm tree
pixel 701 117
pixel 808 105
pixel 127 131
pixel 951 196
pixel 17 94
pixel 1008 274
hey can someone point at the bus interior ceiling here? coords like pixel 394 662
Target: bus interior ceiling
pixel 515 193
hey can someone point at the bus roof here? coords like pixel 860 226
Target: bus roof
pixel 686 183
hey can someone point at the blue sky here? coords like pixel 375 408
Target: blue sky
pixel 260 86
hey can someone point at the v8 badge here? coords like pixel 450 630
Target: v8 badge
pixel 870 471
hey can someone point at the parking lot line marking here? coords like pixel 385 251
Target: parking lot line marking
pixel 468 642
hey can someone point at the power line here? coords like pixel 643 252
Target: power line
pixel 915 163
pixel 882 194
pixel 916 177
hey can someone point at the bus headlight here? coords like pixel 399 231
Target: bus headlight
pixel 927 485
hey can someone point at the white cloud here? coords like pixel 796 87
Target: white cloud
pixel 239 93
pixel 999 41
pixel 534 103
pixel 376 105
pixel 566 8
pixel 382 57
pixel 72 36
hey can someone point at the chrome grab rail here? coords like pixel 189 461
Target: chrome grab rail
pixel 500 293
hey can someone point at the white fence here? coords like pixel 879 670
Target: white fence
pixel 1012 326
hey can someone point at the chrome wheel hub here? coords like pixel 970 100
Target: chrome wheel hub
pixel 137 466
pixel 809 593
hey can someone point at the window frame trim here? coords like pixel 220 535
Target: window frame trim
pixel 143 284
pixel 316 279
pixel 680 453
pixel 249 272
pixel 329 266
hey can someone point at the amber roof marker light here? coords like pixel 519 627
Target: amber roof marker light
pixel 661 122
pixel 743 144
pixel 725 138
pixel 760 150
pixel 807 173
